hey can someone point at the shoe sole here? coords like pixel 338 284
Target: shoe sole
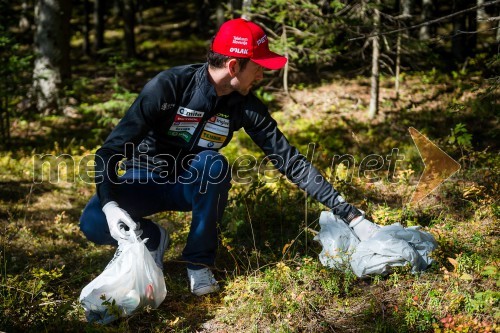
pixel 206 290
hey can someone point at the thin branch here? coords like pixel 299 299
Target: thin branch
pixel 490 19
pixel 443 18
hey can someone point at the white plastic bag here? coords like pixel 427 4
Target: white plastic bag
pixel 130 281
pixel 337 239
pixel 390 246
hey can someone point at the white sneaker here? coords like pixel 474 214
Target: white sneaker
pixel 202 281
pixel 160 250
pixel 363 228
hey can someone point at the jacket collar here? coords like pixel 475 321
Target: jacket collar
pixel 208 90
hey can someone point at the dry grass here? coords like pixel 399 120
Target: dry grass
pixel 46 261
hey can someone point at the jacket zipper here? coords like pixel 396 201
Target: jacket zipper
pixel 199 133
pixel 213 112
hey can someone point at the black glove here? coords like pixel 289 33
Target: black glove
pixel 347 212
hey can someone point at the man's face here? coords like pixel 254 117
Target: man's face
pixel 248 77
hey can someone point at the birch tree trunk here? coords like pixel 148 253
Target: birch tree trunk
pixel 52 63
pixel 219 15
pixel 406 8
pixel 481 13
pixel 424 32
pixel 285 70
pixel 24 23
pixel 246 9
pixel 498 31
pixel 373 110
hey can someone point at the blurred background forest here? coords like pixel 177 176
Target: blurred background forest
pixel 359 74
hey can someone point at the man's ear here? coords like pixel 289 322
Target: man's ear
pixel 233 67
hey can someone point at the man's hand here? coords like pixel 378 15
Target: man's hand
pixel 117 219
pixel 356 220
pixel 363 228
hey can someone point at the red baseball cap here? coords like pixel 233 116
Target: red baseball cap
pixel 243 39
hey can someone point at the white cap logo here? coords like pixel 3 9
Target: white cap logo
pixel 261 40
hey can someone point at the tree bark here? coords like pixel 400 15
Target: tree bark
pixel 219 15
pixel 234 6
pixel 52 62
pixel 24 23
pixel 128 13
pixel 406 8
pixel 398 65
pixel 374 91
pixel 86 27
pixel 203 14
pixel 246 9
pixel 426 15
pixel 458 39
pixel 285 70
pixel 481 12
pixel 498 32
pixel 471 37
pixel 99 24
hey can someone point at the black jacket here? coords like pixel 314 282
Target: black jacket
pixel 178 114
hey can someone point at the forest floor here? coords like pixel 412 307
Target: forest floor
pixel 268 266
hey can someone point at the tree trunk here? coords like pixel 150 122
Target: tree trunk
pixel 235 6
pixel 24 23
pixel 246 9
pixel 128 13
pixel 203 14
pixel 373 110
pixel 285 71
pixel 99 24
pixel 398 64
pixel 140 12
pixel 458 39
pixel 219 15
pixel 116 10
pixel 406 8
pixel 471 36
pixel 498 31
pixel 52 63
pixel 86 27
pixel 426 15
pixel 481 12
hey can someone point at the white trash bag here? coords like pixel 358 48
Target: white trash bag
pixel 390 246
pixel 337 239
pixel 130 281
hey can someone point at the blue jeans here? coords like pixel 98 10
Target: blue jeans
pixel 202 188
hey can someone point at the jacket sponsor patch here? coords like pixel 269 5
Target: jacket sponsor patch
pixel 184 135
pixel 185 112
pixel 179 118
pixel 185 123
pixel 209 144
pixel 215 132
pixel 183 127
pixel 214 137
pixel 217 129
pixel 219 121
